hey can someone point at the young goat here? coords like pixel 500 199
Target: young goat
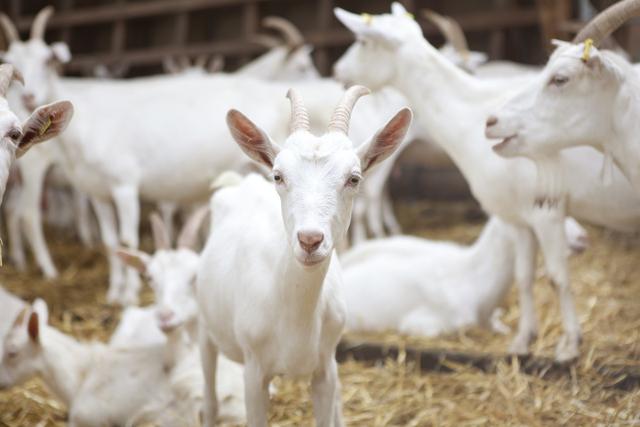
pixel 584 96
pixel 137 384
pixel 268 285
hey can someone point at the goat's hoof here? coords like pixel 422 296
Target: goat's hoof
pixel 520 345
pixel 568 349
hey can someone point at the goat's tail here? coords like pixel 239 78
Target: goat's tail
pixel 226 179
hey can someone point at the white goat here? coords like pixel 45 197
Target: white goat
pixel 11 306
pixel 281 313
pixel 584 96
pixel 392 51
pixel 136 383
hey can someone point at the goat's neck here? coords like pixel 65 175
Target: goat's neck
pixel 624 145
pixel 263 64
pixel 301 286
pixel 451 104
pixel 65 363
pixel 6 159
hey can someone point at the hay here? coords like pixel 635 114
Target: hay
pixel 605 280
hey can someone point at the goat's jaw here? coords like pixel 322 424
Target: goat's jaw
pixel 506 147
pixel 169 326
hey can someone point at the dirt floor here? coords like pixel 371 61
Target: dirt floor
pixel 606 282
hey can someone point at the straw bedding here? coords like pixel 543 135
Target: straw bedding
pixel 606 283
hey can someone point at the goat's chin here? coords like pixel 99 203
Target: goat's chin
pixel 310 260
pixel 507 147
pixel 168 327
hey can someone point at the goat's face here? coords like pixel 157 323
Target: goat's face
pixel 38 63
pixel 371 60
pixel 569 103
pixel 317 177
pixel 11 133
pixel 298 65
pixel 172 276
pixel 22 352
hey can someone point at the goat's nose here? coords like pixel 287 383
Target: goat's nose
pixel 310 240
pixel 492 121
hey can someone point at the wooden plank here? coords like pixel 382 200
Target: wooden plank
pixel 93 15
pixel 249 25
pixel 324 16
pixel 622 377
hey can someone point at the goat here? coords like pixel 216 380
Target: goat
pixel 137 383
pixel 282 313
pixel 11 306
pixel 392 51
pixel 584 96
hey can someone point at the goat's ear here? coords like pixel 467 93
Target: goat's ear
pixel 61 52
pixel 253 140
pixel 33 327
pixel 44 123
pixel 386 141
pixel 350 20
pixel 133 258
pixel 40 307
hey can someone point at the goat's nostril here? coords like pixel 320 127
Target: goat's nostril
pixel 310 240
pixel 492 121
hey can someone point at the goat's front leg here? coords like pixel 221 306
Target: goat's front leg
pixel 209 357
pixel 549 228
pixel 168 212
pixel 325 393
pixel 127 204
pixel 358 229
pixel 14 229
pixel 388 215
pixel 256 393
pixel 82 212
pixel 109 236
pixel 526 251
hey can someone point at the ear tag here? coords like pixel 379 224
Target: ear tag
pixel 367 18
pixel 606 173
pixel 586 53
pixel 45 127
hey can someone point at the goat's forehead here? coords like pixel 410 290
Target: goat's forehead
pixel 331 152
pixel 311 147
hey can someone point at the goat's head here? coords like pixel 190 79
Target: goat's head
pixel 171 272
pixel 371 60
pixel 572 101
pixel 22 352
pixel 37 60
pixel 317 177
pixel 16 138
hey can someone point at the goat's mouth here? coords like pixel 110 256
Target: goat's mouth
pixel 169 326
pixel 502 145
pixel 310 259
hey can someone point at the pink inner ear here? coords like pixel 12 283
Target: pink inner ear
pixel 33 327
pixel 248 136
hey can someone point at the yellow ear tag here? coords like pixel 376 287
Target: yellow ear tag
pixel 586 53
pixel 45 127
pixel 411 16
pixel 367 18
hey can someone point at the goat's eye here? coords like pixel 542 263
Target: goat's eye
pixel 354 180
pixel 277 178
pixel 558 80
pixel 14 134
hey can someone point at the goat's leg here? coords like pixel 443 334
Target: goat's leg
pixel 256 393
pixel 127 204
pixel 31 215
pixel 109 235
pixel 549 229
pixel 526 251
pixel 14 228
pixel 388 215
pixel 209 357
pixel 83 217
pixel 374 216
pixel 168 212
pixel 325 391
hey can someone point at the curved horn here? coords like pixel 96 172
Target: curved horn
pixel 189 233
pixel 608 21
pixel 299 115
pixel 342 114
pixel 10 30
pixel 40 23
pixel 160 234
pixel 266 41
pixel 8 74
pixel 450 29
pixel 292 36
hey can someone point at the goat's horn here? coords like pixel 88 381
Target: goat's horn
pixel 450 29
pixel 40 23
pixel 607 21
pixel 342 114
pixel 189 233
pixel 216 64
pixel 8 73
pixel 292 36
pixel 160 234
pixel 299 115
pixel 266 41
pixel 10 30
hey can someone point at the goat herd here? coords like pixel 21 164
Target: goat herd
pixel 268 295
